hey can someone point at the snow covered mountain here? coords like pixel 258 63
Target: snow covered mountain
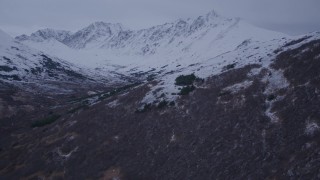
pixel 239 123
pixel 95 33
pixel 199 98
pixel 45 34
pixel 185 41
pixel 29 68
pixel 178 35
pixel 204 45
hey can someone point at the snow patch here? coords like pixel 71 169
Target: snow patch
pixel 253 72
pixel 113 104
pixel 272 116
pixel 275 81
pixel 237 87
pixel 311 128
pixel 66 156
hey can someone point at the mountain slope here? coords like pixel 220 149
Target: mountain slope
pixel 209 98
pixel 252 121
pixel 204 45
pixel 29 68
pixel 147 41
pixel 26 63
pixel 94 33
pixel 178 35
pixel 111 48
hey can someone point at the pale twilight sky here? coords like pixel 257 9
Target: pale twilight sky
pixel 26 16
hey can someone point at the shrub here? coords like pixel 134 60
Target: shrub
pixel 151 77
pixel 296 41
pixel 277 50
pixel 7 59
pixel 172 103
pixel 186 90
pixel 229 66
pixel 223 93
pixel 199 80
pixel 185 80
pixel 36 70
pixel 77 108
pixel 271 97
pixel 7 68
pixel 74 74
pixel 49 63
pixel 45 121
pixel 11 77
pixel 162 104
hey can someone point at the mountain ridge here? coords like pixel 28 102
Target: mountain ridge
pixel 188 44
pixel 79 40
pixel 33 70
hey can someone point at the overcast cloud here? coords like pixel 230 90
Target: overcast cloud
pixel 26 16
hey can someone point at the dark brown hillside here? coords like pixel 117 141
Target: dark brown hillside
pixel 236 125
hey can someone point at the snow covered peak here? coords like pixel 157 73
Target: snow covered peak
pixel 100 29
pixel 112 35
pixel 211 18
pixel 212 14
pixel 181 34
pixel 59 35
pixel 93 34
pixel 22 37
pixel 45 34
pixel 114 28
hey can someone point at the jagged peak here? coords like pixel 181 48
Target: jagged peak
pixel 46 33
pixel 212 14
pixel 104 28
pixel 22 37
pixel 198 21
pixel 50 31
pixel 100 25
pixel 100 31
